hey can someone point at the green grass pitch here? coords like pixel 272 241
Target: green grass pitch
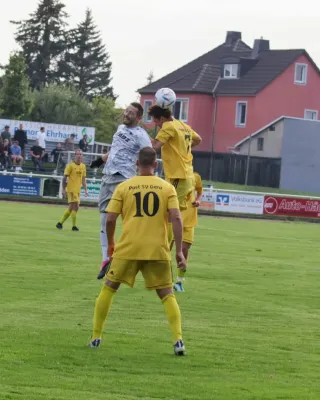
pixel 250 313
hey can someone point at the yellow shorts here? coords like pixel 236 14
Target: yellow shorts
pixel 188 235
pixel 184 188
pixel 157 274
pixel 73 197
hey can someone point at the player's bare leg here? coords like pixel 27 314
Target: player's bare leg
pixel 178 286
pixel 174 318
pixel 107 249
pixel 101 311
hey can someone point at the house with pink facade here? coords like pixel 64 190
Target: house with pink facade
pixel 235 89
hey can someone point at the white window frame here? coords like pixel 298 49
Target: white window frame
pixel 237 122
pixel 313 112
pixel 305 75
pixel 146 117
pixel 185 100
pixel 233 73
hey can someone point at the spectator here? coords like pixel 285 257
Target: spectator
pixel 69 143
pixel 57 156
pixel 21 136
pixel 6 134
pixel 37 154
pixel 83 144
pixel 5 154
pixel 16 154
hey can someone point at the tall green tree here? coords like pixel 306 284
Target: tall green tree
pixel 86 63
pixel 61 104
pixel 42 38
pixel 15 94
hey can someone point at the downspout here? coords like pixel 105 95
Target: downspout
pixel 215 98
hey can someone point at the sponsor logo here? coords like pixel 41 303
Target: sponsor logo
pixel 4 190
pixel 223 200
pixel 270 205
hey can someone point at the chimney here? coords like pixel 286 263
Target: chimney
pixel 232 37
pixel 259 46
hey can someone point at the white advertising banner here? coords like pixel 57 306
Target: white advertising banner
pixel 239 203
pixel 93 192
pixel 207 200
pixel 54 132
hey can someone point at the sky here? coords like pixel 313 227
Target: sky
pixel 145 35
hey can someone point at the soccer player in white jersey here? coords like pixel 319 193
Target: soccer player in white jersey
pixel 120 165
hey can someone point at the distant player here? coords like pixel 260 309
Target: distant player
pixel 175 139
pixel 144 203
pixel 190 221
pixel 120 165
pixel 74 178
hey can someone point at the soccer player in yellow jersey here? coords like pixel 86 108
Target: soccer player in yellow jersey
pixel 175 139
pixel 144 202
pixel 190 220
pixel 74 178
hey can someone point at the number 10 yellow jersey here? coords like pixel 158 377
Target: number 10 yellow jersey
pixel 143 202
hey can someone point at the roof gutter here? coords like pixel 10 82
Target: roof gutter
pixel 215 108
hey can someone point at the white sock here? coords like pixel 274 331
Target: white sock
pixel 103 236
pixel 179 279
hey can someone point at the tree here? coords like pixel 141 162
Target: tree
pixel 150 77
pixel 86 63
pixel 61 104
pixel 42 38
pixel 106 119
pixel 15 94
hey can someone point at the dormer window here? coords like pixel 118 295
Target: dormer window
pixel 230 71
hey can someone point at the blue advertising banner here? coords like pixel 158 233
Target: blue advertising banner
pixel 20 185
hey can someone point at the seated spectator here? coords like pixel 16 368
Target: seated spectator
pixel 57 154
pixel 5 154
pixel 6 133
pixel 16 154
pixel 83 144
pixel 21 136
pixel 37 154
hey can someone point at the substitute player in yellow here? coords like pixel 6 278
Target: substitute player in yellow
pixel 74 177
pixel 175 139
pixel 190 221
pixel 144 203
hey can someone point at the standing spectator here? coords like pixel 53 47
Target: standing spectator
pixel 37 154
pixel 69 143
pixel 21 136
pixel 41 137
pixel 5 154
pixel 16 155
pixel 6 134
pixel 57 156
pixel 83 144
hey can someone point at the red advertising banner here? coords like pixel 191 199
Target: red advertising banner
pixel 291 206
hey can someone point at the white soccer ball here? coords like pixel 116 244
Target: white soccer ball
pixel 165 98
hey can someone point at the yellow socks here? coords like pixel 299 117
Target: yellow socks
pixel 181 275
pixel 174 317
pixel 66 215
pixel 101 311
pixel 74 218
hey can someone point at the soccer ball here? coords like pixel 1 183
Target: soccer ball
pixel 165 98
